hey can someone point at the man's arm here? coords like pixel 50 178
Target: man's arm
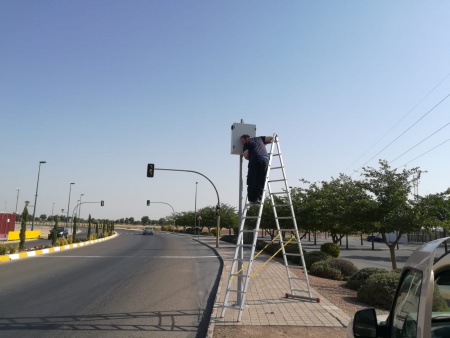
pixel 245 154
pixel 268 139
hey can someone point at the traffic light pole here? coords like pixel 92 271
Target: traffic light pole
pixel 217 193
pixel 173 230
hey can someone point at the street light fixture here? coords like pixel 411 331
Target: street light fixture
pixel 35 196
pixel 68 205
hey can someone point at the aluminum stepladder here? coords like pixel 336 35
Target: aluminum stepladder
pixel 278 191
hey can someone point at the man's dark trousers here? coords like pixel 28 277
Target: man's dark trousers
pixel 256 177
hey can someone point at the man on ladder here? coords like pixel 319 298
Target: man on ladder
pixel 254 150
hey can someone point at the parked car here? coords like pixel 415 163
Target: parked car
pixel 148 231
pixel 421 305
pixel 374 239
pixel 61 232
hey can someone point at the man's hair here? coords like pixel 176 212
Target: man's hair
pixel 245 136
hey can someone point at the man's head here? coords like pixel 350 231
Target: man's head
pixel 244 138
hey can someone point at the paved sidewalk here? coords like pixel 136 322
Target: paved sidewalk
pixel 266 303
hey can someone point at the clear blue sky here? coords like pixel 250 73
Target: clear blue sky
pixel 98 89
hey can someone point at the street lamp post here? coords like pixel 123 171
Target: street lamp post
pixel 35 196
pixel 53 207
pixel 17 199
pixel 195 208
pixel 68 205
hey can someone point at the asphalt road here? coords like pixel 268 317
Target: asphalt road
pixel 129 286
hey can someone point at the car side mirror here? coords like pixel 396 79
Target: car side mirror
pixel 365 323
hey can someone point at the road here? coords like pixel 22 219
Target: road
pixel 128 286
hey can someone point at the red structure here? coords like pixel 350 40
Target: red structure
pixel 7 223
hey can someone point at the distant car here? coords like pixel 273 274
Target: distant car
pixel 374 239
pixel 420 308
pixel 61 232
pixel 148 231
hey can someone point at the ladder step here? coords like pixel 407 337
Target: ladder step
pixel 294 254
pixel 296 267
pixel 285 217
pixel 245 245
pixel 250 217
pixel 279 180
pixel 286 230
pixel 299 290
pixel 232 307
pixel 236 291
pixel 242 260
pixel 272 168
pixel 278 193
pixel 282 205
pixel 248 230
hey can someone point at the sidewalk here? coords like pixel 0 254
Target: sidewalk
pixel 266 303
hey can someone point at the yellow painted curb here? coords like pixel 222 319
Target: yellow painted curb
pixel 15 256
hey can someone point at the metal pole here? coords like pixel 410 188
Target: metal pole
pixel 35 196
pixel 241 249
pixel 79 209
pixel 17 199
pixel 68 206
pixel 195 209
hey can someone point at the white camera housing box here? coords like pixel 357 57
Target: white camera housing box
pixel 237 130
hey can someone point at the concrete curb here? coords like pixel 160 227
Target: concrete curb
pixel 26 254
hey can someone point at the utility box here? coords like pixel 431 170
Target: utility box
pixel 237 130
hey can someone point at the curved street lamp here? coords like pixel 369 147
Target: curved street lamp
pixel 35 196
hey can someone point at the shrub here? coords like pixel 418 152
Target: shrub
pixel 335 268
pixel 3 249
pixel 13 248
pixel 379 289
pixel 260 244
pixel 325 270
pixel 331 248
pixel 229 238
pixel 214 232
pixel 359 278
pixel 346 267
pixel 439 303
pixel 315 256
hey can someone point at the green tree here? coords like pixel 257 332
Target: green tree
pixel 89 227
pixel 74 229
pixel 145 220
pixel 434 211
pixel 394 212
pixel 23 228
pixel 55 232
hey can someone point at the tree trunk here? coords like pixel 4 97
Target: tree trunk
pixel 393 259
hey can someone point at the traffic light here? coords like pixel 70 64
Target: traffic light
pixel 102 203
pixel 150 169
pixel 217 210
pixel 148 202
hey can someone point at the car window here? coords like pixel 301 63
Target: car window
pixel 441 296
pixel 406 306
